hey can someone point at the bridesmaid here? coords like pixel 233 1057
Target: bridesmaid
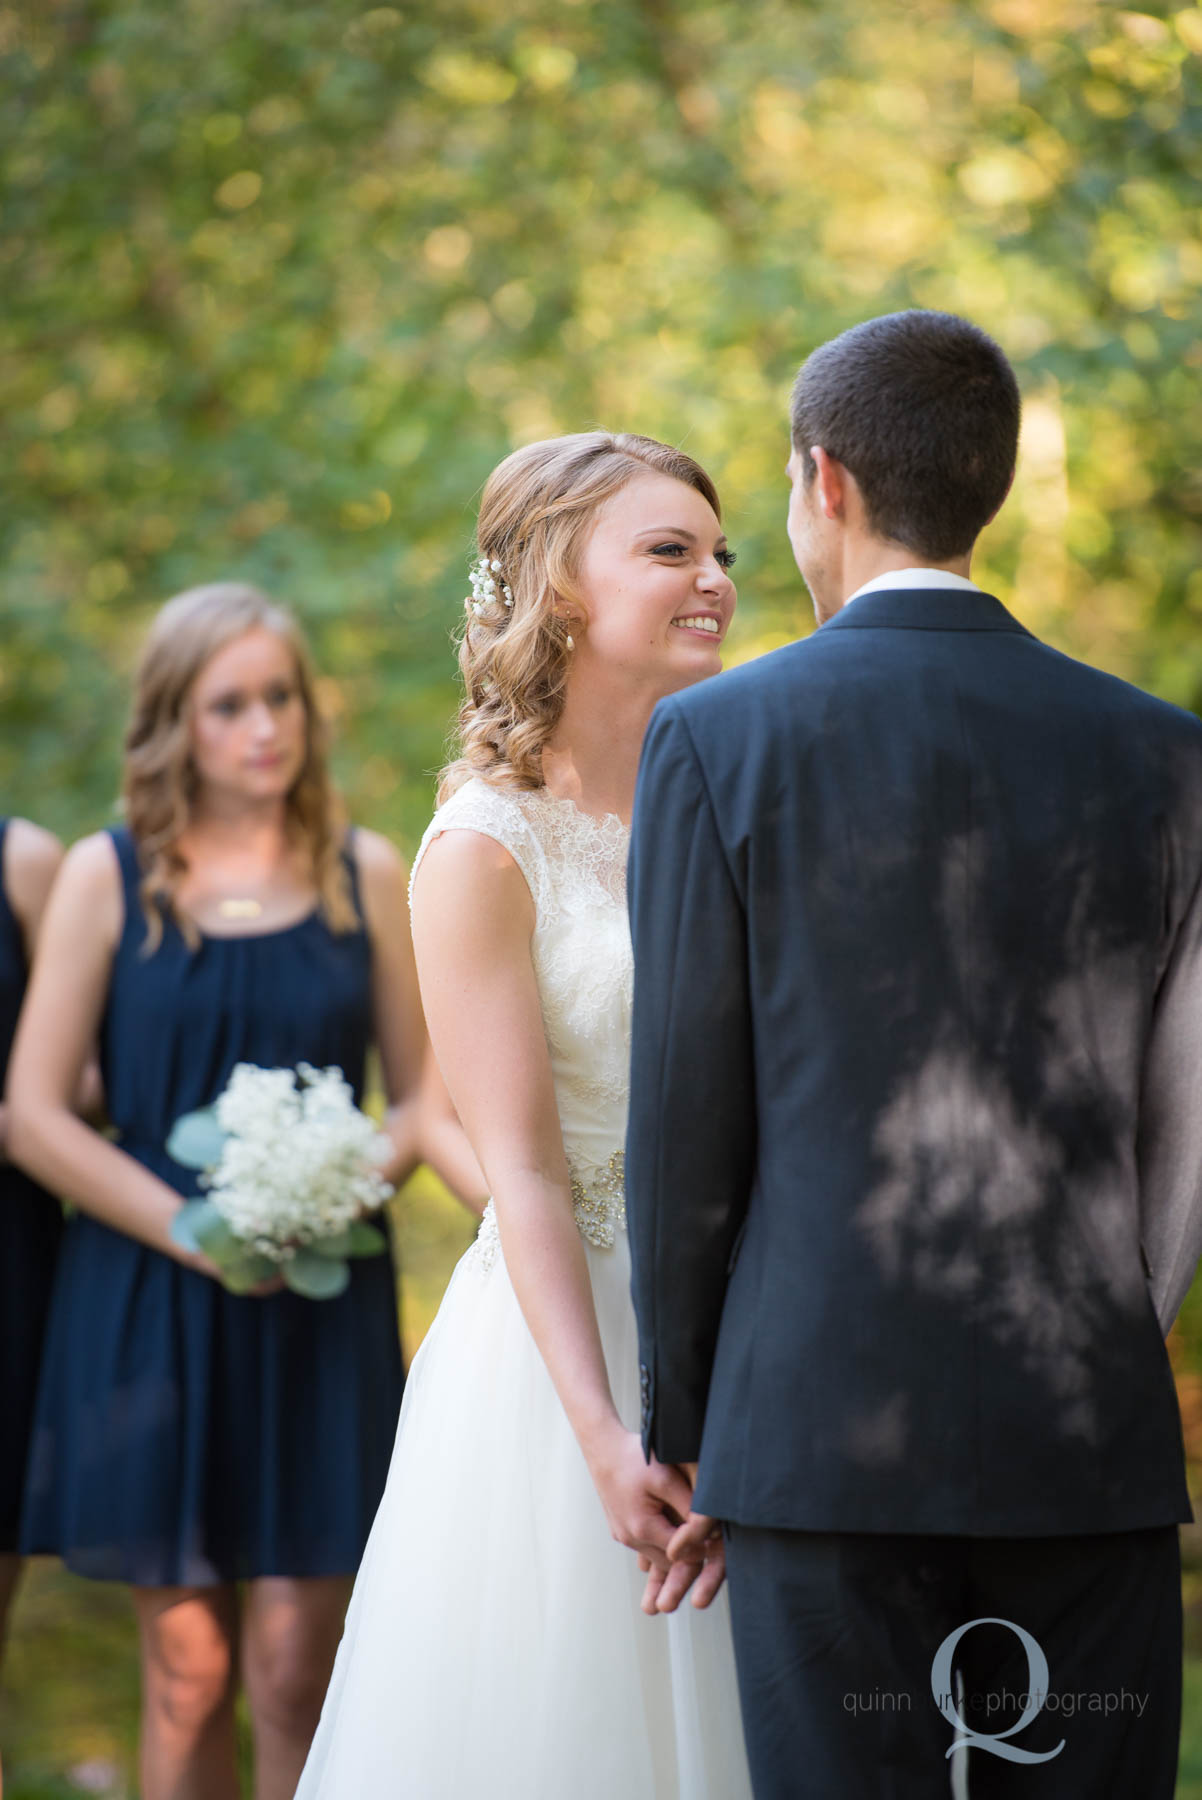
pixel 30 1219
pixel 188 1439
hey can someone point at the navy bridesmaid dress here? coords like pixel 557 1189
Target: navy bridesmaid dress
pixel 31 1224
pixel 185 1435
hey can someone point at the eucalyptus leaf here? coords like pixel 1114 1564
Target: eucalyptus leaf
pixel 196 1139
pixel 246 1272
pixel 316 1277
pixel 213 1234
pixel 181 1230
pixel 336 1245
pixel 366 1240
pixel 358 1239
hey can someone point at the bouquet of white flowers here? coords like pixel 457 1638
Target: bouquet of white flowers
pixel 290 1164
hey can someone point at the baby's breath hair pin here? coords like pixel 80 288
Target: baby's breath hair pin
pixel 485 578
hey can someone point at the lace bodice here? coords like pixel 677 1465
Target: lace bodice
pixel 575 868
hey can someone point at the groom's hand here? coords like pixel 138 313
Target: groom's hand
pixel 697 1554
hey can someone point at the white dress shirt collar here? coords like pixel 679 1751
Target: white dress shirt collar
pixel 916 578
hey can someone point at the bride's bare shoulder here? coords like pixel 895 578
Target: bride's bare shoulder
pixel 467 879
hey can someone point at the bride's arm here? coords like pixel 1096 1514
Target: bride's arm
pixel 473 919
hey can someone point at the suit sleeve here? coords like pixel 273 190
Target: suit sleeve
pixel 1170 1129
pixel 691 1139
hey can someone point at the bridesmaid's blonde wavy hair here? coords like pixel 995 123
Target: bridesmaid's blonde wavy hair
pixel 535 514
pixel 158 779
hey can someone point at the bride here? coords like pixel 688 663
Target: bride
pixel 495 1647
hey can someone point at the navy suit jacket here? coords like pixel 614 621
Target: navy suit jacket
pixel 915 1145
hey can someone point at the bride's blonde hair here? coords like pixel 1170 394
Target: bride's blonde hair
pixel 158 779
pixel 535 514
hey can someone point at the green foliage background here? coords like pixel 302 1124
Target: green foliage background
pixel 282 282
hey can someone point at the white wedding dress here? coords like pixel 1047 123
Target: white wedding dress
pixel 494 1647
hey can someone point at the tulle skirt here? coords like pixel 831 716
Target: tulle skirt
pixel 494 1648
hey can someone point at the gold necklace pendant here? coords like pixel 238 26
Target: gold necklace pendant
pixel 240 909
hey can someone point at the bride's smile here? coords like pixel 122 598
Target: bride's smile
pixel 655 593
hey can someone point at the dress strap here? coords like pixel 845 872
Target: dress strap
pixel 125 844
pixel 498 813
pixel 351 864
pixel 127 859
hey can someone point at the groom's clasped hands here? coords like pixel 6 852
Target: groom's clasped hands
pixel 649 1506
pixel 697 1559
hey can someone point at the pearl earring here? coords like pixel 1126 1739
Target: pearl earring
pixel 570 641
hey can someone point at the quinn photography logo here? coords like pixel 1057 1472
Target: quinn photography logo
pixel 1032 1700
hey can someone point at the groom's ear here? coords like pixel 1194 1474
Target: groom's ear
pixel 830 483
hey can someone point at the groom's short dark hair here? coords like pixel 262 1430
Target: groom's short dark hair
pixel 923 409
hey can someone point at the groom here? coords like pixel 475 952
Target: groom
pixel 915 1149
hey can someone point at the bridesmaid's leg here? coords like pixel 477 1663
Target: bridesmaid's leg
pixel 10 1575
pixel 290 1633
pixel 188 1636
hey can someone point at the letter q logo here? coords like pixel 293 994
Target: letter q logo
pixel 1036 1694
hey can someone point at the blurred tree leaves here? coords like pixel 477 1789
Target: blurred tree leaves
pixel 282 283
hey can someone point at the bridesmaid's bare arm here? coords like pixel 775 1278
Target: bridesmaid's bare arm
pixel 421 1129
pixel 30 862
pixel 32 858
pixel 68 985
pixel 445 1141
pixel 396 1010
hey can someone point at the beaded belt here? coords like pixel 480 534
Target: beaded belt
pixel 598 1202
